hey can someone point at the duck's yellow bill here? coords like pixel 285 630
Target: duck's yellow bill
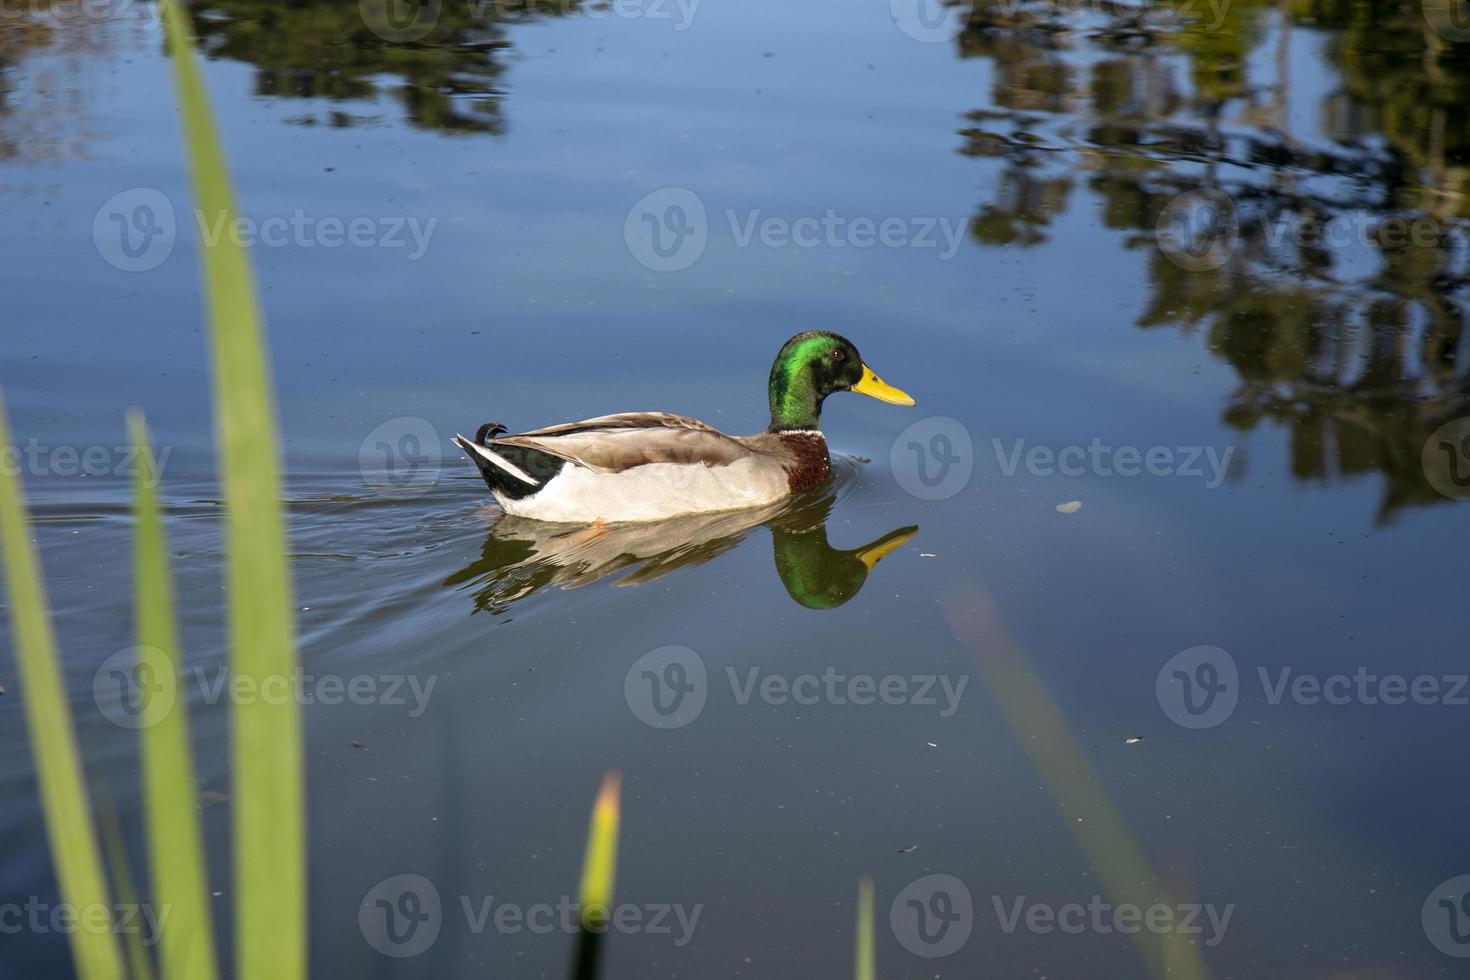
pixel 873 387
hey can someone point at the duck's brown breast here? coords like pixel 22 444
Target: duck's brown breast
pixel 808 462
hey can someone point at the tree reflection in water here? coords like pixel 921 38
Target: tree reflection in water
pixel 1329 268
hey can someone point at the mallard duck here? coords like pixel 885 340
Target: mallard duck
pixel 647 466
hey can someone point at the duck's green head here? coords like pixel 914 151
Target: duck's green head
pixel 813 365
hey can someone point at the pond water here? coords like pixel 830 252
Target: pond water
pixel 1168 610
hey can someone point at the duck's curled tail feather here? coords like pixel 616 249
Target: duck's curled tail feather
pixel 511 472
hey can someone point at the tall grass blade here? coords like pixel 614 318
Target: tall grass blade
pixel 270 853
pixel 69 827
pixel 176 853
pixel 140 966
pixel 864 966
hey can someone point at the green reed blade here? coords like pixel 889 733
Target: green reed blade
pixel 176 852
pixel 270 853
pixel 864 968
pixel 600 866
pixel 68 813
pixel 140 967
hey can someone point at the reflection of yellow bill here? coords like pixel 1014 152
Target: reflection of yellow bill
pixel 885 546
pixel 874 387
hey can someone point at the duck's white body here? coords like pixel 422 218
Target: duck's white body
pixel 643 466
pixel 651 492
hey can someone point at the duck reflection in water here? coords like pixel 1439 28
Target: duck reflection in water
pixel 521 557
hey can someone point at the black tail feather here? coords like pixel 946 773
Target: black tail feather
pixel 489 431
pixel 540 466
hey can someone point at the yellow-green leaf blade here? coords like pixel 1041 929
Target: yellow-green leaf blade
pixel 175 848
pixel 140 967
pixel 600 866
pixel 864 967
pixel 270 853
pixel 69 825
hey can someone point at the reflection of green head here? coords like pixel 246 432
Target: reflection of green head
pixel 820 576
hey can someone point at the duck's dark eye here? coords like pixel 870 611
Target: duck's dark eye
pixel 838 356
